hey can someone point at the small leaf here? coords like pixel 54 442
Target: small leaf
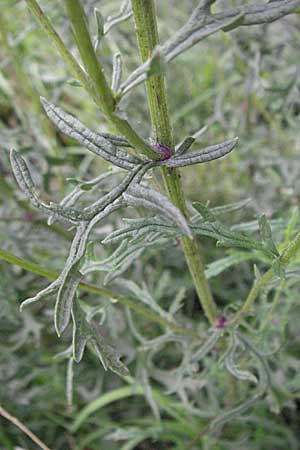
pixel 205 212
pixel 123 14
pixel 100 26
pixel 266 234
pixel 22 173
pixel 230 365
pixel 84 332
pixel 109 357
pixel 184 146
pixel 81 331
pixel 69 383
pixel 117 72
pixel 44 293
pixel 65 298
pixel 201 156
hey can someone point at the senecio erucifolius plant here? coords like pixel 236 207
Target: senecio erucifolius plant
pixel 135 163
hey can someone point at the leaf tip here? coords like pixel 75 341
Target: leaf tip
pixel 59 324
pixel 45 103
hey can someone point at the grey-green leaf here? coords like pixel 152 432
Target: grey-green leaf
pixel 117 72
pixel 266 234
pixel 21 172
pixel 44 293
pixel 65 298
pixel 81 331
pixel 184 146
pixel 109 357
pixel 230 365
pixel 201 156
pixel 94 142
pixel 149 198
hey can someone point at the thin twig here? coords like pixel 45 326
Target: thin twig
pixel 23 428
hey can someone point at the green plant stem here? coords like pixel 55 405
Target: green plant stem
pixel 90 61
pixel 284 259
pixel 147 37
pixel 75 69
pixel 127 301
pixel 93 80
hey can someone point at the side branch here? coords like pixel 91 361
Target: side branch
pixel 202 23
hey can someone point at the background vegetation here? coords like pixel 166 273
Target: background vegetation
pixel 243 83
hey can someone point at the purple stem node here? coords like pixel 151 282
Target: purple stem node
pixel 221 322
pixel 163 150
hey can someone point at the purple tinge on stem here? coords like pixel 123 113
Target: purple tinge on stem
pixel 27 216
pixel 163 150
pixel 221 322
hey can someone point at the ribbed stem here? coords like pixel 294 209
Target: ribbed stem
pixel 147 37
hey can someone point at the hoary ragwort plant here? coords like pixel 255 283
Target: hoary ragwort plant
pixel 139 160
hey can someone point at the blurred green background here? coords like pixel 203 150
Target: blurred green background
pixel 244 83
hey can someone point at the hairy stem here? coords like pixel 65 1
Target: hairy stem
pixel 284 259
pixel 126 301
pixel 147 37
